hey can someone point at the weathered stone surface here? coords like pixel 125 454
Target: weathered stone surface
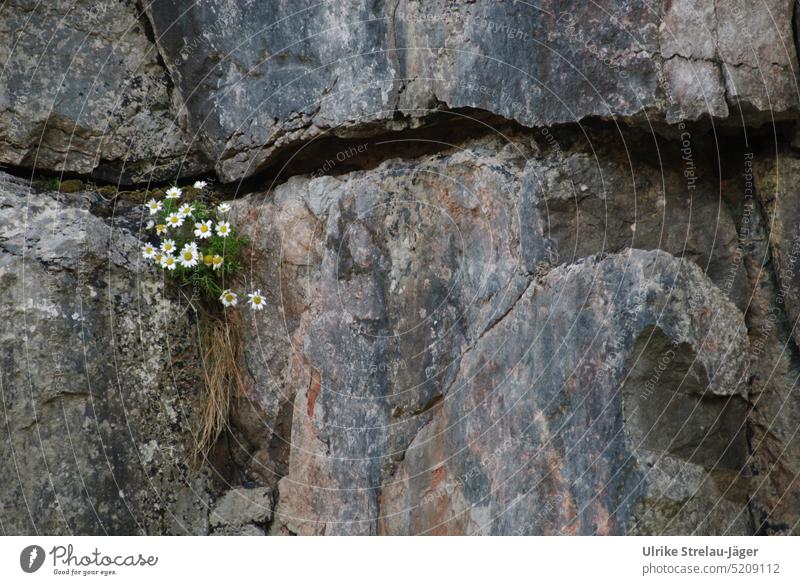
pixel 575 314
pixel 257 78
pixel 776 185
pixel 242 511
pixel 438 318
pixel 97 390
pixel 773 316
pixel 547 431
pixel 82 90
pixel 92 95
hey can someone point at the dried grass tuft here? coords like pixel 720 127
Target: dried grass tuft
pixel 221 344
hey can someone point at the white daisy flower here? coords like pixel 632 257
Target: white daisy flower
pixel 168 246
pixel 154 206
pixel 257 300
pixel 150 225
pixel 189 256
pixel 149 251
pixel 216 262
pixel 161 229
pixel 229 298
pixel 174 193
pixel 185 210
pixel 224 207
pixel 169 262
pixel 174 220
pixel 223 229
pixel 200 184
pixel 203 229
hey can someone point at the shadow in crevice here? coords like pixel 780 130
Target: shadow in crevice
pixel 669 409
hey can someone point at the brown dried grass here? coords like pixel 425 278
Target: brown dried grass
pixel 221 345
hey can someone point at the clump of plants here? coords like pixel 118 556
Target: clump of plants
pixel 199 250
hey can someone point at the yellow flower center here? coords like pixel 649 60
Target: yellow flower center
pixel 187 255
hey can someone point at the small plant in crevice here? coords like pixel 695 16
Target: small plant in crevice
pixel 198 249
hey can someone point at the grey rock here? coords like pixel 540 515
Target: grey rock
pixel 776 187
pixel 773 316
pixel 529 415
pixel 414 323
pixel 82 90
pixel 576 316
pixel 688 30
pixel 259 79
pixel 96 389
pixel 242 511
pixel 249 530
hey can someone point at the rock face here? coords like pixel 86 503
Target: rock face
pixel 451 367
pixel 509 449
pixel 774 334
pixel 531 267
pixel 83 90
pixel 257 78
pixel 242 512
pixel 95 381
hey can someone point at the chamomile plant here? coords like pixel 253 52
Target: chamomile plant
pixel 196 245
